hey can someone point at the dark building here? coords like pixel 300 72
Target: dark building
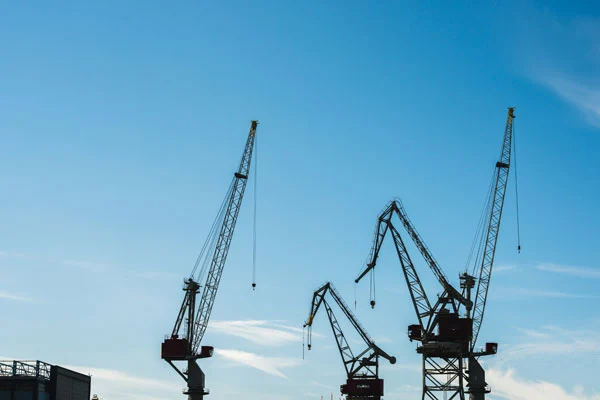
pixel 37 380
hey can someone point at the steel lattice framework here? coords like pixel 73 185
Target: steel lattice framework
pixel 448 339
pixel 218 242
pixel 443 377
pixel 362 367
pixel 223 242
pixel 485 273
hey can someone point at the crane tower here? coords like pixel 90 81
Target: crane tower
pixel 448 329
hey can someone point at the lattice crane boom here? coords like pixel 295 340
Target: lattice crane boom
pixel 213 257
pixel 419 298
pixel 493 226
pixel 362 368
pixel 433 265
pixel 223 241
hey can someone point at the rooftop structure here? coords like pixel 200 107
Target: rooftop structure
pixel 37 380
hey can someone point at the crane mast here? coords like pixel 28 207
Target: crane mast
pixel 362 370
pixel 188 348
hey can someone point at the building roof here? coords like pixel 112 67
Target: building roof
pixel 25 369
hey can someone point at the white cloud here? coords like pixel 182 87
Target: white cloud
pixel 511 292
pixel 269 365
pixel 504 268
pixel 14 297
pixel 553 341
pixel 382 340
pixel 105 267
pixel 581 272
pixel 395 368
pixel 323 386
pixel 563 56
pixel 117 385
pixel 264 333
pixel 404 392
pixel 90 266
pixel 534 333
pixel 583 95
pixel 506 385
pixel 5 253
pixel 555 347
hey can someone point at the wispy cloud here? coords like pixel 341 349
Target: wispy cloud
pixel 534 333
pixel 583 95
pixel 404 392
pixel 507 385
pixel 410 367
pixel 12 254
pixel 323 386
pixel 551 340
pixel 564 57
pixel 265 333
pixel 119 385
pixel 105 267
pixel 382 339
pixel 512 292
pixel 581 272
pixel 269 365
pixel 90 266
pixel 504 268
pixel 14 297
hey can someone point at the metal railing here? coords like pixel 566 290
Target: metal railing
pixel 34 369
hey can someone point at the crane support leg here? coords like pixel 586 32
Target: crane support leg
pixel 443 378
pixel 476 380
pixel 195 380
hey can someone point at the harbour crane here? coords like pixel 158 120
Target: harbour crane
pixel 448 329
pixel 362 370
pixel 211 262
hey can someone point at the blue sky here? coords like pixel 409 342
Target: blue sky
pixel 121 123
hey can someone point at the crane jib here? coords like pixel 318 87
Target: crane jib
pixel 362 369
pixel 188 348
